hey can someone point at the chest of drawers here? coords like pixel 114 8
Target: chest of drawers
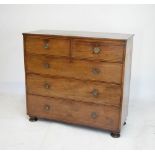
pixel 78 77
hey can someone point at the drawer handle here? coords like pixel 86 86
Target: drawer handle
pixel 95 93
pixel 46 107
pixel 94 115
pixel 95 71
pixel 46 43
pixel 46 86
pixel 46 65
pixel 46 46
pixel 96 50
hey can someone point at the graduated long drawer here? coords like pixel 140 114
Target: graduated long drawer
pixel 86 91
pixel 93 115
pixel 78 69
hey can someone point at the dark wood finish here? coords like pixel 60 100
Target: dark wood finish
pixel 115 135
pixel 78 77
pixel 33 119
pixel 85 70
pixel 106 117
pixel 74 89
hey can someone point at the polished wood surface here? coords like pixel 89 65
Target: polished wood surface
pixel 93 115
pixel 78 69
pixel 102 93
pixel 111 52
pixel 49 46
pixel 78 79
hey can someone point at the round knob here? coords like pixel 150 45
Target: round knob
pixel 94 115
pixel 46 45
pixel 47 108
pixel 46 65
pixel 46 85
pixel 95 93
pixel 95 71
pixel 96 50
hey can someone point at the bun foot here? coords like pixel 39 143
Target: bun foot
pixel 124 123
pixel 33 119
pixel 115 135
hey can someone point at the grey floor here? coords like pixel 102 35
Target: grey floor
pixel 16 132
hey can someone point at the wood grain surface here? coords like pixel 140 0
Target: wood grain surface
pixel 102 93
pixel 78 69
pixel 49 46
pixel 110 52
pixel 93 115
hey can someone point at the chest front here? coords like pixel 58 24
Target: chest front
pixel 78 80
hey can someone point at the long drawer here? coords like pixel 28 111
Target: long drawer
pixel 110 51
pixel 97 92
pixel 79 69
pixel 99 116
pixel 50 46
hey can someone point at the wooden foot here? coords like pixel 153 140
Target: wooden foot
pixel 124 123
pixel 33 119
pixel 115 135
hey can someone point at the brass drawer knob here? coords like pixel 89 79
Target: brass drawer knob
pixel 96 50
pixel 95 93
pixel 94 115
pixel 95 71
pixel 46 46
pixel 47 86
pixel 46 107
pixel 46 43
pixel 46 65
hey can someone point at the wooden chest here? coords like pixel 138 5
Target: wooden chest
pixel 78 77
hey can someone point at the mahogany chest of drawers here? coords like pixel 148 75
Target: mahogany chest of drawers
pixel 78 77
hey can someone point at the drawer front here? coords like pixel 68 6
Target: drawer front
pixel 86 70
pixel 50 46
pixel 102 51
pixel 99 116
pixel 86 91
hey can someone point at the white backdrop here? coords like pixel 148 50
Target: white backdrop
pixel 136 19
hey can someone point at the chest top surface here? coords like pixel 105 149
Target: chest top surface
pixel 85 34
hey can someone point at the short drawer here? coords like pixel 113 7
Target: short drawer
pixel 97 92
pixel 79 69
pixel 99 116
pixel 98 50
pixel 49 46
